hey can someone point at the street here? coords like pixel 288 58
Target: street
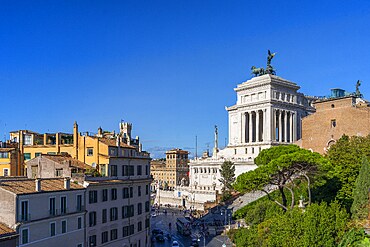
pixel 161 221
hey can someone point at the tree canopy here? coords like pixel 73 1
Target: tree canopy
pixel 346 157
pixel 360 203
pixel 278 167
pixel 227 175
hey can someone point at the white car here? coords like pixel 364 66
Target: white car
pixel 175 244
pixel 154 215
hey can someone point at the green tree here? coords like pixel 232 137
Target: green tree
pixel 346 157
pixel 280 167
pixel 227 178
pixel 319 225
pixel 360 203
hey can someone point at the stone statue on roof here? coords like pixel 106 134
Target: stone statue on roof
pixel 358 93
pixel 269 69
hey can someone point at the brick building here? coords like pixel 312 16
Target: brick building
pixel 333 118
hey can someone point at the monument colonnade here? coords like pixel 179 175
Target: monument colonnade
pixel 268 124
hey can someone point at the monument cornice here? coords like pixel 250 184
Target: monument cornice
pixel 266 80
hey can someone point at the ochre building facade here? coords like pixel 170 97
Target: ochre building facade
pixel 333 118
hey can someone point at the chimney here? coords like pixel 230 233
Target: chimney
pixel 38 184
pixel 67 183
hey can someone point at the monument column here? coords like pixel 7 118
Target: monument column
pixel 286 122
pixel 242 132
pixel 280 115
pixel 295 126
pixel 291 127
pixel 250 127
pixel 257 126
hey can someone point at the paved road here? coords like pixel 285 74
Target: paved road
pixel 161 221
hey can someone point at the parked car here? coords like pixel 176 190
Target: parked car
pixel 194 243
pixel 159 237
pixel 175 244
pixel 157 231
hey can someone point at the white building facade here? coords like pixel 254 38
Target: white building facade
pixel 268 112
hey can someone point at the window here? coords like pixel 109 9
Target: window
pixel 128 230
pixel 90 151
pixel 113 194
pixel 131 170
pixel 52 229
pixel 105 195
pixel 333 123
pixel 246 150
pixel 6 172
pixel 4 155
pixel 113 214
pixel 131 192
pixel 139 191
pixel 25 236
pixel 24 211
pixel 124 170
pixel 93 196
pixel 146 189
pixel 63 205
pixel 92 241
pixel 139 170
pixel 104 237
pixel 126 193
pixel 104 216
pixel 147 205
pixel 27 140
pixel 27 156
pixel 139 226
pixel 113 170
pixel 80 245
pixel 139 208
pixel 127 211
pixel 79 202
pixel 113 234
pixel 125 231
pixel 147 170
pixel 52 206
pixel 79 222
pixel 92 218
pixel 37 154
pixel 252 150
pixel 147 223
pixel 64 226
pixel 59 172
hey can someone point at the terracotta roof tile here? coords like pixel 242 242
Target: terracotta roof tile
pixel 6 231
pixel 28 186
pixel 112 142
pixel 66 159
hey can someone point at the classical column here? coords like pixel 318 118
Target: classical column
pixel 295 124
pixel 273 125
pixel 257 126
pixel 291 127
pixel 266 123
pixel 286 128
pixel 280 126
pixel 242 137
pixel 250 127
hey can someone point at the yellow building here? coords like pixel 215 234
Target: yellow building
pixel 94 150
pixel 174 171
pixel 10 161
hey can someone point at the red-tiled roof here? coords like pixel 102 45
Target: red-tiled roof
pixel 6 231
pixel 28 186
pixel 62 159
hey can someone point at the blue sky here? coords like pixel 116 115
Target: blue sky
pixel 169 67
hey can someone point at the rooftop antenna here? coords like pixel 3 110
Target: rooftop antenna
pixel 196 147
